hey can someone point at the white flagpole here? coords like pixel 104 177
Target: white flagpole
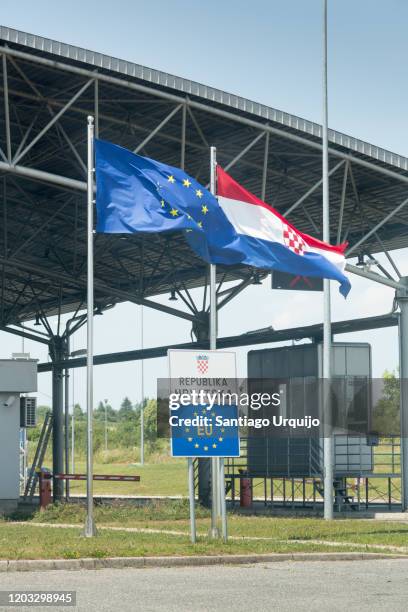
pixel 142 389
pixel 214 532
pixel 327 339
pixel 90 529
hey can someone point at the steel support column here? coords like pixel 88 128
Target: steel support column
pixel 402 297
pixel 57 353
pixel 66 415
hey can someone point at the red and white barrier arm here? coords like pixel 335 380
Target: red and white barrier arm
pixel 114 477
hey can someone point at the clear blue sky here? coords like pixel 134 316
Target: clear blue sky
pixel 269 51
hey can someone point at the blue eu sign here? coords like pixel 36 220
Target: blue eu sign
pixel 197 431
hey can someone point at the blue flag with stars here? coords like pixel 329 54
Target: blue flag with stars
pixel 138 194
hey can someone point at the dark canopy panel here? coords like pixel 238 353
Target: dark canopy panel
pixel 50 88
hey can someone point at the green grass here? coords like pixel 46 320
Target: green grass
pixel 165 515
pixel 27 542
pixel 120 513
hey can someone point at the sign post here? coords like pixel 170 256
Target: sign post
pixel 222 500
pixel 192 499
pixel 197 425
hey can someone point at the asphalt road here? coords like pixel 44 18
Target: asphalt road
pixel 331 585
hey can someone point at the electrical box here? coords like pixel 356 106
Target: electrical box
pixel 28 411
pixel 18 375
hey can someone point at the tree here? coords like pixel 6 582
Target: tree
pixel 386 414
pixel 150 421
pixel 112 414
pixel 99 413
pixel 78 413
pixel 104 407
pixel 126 411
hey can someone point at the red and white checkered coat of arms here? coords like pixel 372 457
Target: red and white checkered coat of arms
pixel 202 364
pixel 293 240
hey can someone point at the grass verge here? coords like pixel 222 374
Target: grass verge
pixel 30 542
pixel 276 533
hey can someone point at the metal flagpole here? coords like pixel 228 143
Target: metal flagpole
pixel 90 529
pixel 192 500
pixel 142 390
pixel 213 345
pixel 222 500
pixel 328 436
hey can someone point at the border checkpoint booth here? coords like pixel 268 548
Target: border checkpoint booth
pixel 17 376
pixel 299 368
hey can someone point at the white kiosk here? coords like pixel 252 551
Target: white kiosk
pixel 17 376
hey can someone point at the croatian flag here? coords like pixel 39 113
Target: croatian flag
pixel 269 241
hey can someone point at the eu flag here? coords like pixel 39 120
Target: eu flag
pixel 138 194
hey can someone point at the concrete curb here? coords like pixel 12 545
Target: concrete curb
pixel 37 565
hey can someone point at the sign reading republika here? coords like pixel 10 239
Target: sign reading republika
pixel 200 421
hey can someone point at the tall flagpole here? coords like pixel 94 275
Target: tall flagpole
pixel 214 532
pixel 327 339
pixel 90 529
pixel 142 407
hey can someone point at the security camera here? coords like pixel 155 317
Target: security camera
pixel 10 400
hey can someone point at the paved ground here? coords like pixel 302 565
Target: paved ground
pixel 303 586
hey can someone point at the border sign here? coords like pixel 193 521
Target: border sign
pixel 197 430
pixel 207 371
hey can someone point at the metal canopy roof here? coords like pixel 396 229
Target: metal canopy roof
pixel 49 88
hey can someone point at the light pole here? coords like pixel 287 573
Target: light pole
pixel 327 335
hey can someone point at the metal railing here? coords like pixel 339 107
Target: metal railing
pixel 369 474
